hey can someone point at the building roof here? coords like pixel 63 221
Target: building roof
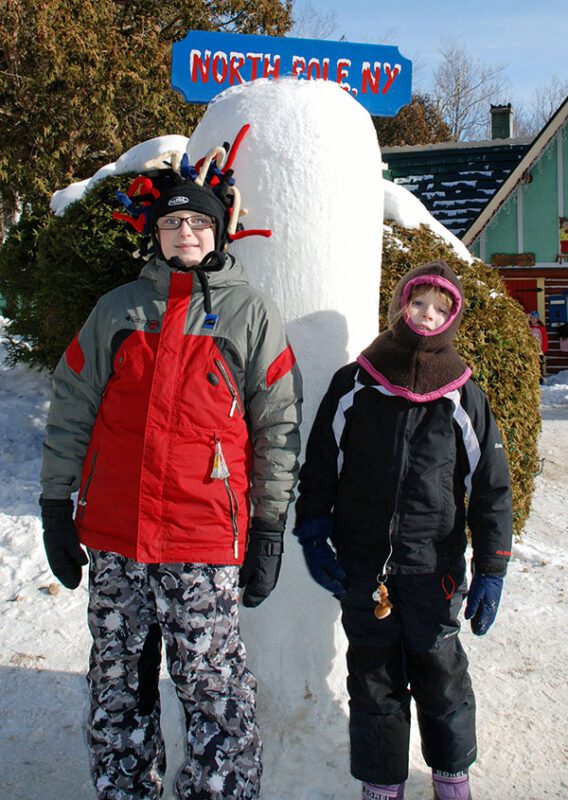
pixel 455 180
pixel 539 143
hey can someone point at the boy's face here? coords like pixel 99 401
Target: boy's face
pixel 189 244
pixel 428 311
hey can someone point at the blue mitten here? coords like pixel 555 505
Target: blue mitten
pixel 313 535
pixel 483 601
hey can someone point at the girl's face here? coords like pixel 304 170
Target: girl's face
pixel 429 310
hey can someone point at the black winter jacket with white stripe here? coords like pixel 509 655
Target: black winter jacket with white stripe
pixel 395 475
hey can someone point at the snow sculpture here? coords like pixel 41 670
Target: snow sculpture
pixel 310 170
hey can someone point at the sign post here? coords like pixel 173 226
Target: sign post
pixel 205 63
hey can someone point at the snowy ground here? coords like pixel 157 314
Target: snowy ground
pixel 519 669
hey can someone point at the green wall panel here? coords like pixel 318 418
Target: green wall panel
pixel 501 233
pixel 540 207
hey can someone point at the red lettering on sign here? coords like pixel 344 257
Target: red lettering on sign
pixel 343 65
pixel 314 69
pixel 271 71
pixel 236 62
pixel 391 75
pixel 371 80
pixel 255 58
pixel 298 65
pixel 199 66
pixel 219 60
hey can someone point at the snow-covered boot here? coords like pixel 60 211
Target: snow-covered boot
pixel 451 785
pixel 383 791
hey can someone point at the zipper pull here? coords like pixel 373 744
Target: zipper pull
pixel 381 596
pixel 82 507
pixel 233 406
pixel 220 468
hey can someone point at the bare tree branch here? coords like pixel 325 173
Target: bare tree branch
pixel 464 88
pixel 312 24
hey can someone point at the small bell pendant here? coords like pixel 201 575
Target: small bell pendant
pixel 381 597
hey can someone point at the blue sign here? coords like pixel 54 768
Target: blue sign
pixel 205 63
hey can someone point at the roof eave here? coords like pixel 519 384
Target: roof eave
pixel 540 142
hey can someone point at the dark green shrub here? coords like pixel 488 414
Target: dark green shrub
pixel 51 275
pixel 18 278
pixel 495 342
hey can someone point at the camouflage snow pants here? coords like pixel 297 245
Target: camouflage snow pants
pixel 194 608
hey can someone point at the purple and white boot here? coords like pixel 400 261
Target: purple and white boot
pixel 451 785
pixel 383 791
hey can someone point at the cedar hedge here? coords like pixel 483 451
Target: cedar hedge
pixel 53 269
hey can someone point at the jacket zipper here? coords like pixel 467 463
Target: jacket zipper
pixel 236 403
pixel 387 569
pixel 82 502
pixel 234 509
pixel 221 471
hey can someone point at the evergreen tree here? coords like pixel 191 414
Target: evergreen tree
pixel 82 81
pixel 417 123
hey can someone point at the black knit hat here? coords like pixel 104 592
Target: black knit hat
pixel 188 196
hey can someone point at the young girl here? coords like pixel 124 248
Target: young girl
pixel 400 438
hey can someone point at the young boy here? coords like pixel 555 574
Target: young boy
pixel 175 411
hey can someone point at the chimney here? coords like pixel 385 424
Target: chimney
pixel 501 121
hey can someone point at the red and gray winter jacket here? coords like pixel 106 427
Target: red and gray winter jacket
pixel 173 423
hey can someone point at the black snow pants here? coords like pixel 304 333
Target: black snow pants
pixel 193 608
pixel 413 653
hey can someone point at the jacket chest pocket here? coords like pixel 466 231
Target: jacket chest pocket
pixel 220 377
pixel 207 396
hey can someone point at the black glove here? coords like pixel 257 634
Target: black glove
pixel 261 567
pixel 61 542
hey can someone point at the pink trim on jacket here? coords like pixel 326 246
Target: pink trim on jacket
pixel 400 391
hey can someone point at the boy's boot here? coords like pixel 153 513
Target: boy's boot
pixel 451 785
pixel 382 791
